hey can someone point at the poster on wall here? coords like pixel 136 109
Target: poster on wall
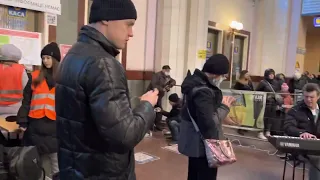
pixel 64 49
pixel 248 110
pixel 28 42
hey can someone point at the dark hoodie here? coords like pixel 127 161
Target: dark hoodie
pixel 264 86
pixel 279 79
pixel 206 108
pixel 175 110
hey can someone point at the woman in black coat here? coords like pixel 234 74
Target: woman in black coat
pixel 270 85
pixel 37 116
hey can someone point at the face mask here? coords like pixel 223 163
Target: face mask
pixel 217 82
pixel 167 73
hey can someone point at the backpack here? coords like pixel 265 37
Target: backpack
pixel 23 163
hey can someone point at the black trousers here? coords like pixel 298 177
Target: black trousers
pixel 269 116
pixel 198 169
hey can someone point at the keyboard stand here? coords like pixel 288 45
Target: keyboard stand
pixel 295 159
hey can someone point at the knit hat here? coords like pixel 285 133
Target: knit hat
pixel 110 10
pixel 10 52
pixel 174 98
pixel 217 64
pixel 52 50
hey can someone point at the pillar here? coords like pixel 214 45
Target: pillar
pixel 171 40
pixel 275 36
pixel 198 17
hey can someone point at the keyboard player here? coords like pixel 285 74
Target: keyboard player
pixel 303 121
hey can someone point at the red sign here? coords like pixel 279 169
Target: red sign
pixel 64 48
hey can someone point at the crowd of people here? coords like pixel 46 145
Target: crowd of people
pixel 281 93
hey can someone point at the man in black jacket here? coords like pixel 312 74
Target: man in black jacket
pixel 303 121
pixel 173 117
pixel 96 126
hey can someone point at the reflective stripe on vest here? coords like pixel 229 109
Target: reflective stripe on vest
pixel 10 99
pixel 43 100
pixel 43 106
pixel 11 90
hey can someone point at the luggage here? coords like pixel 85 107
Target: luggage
pixel 23 163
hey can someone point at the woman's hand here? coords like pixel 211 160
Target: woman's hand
pixel 228 100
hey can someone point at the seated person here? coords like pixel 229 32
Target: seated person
pixel 302 121
pixel 173 117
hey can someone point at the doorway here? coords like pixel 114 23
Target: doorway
pixel 238 57
pixel 212 42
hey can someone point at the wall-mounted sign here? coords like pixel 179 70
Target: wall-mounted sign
pixel 64 49
pixel 236 50
pixel 49 6
pixel 301 50
pixel 297 65
pixel 17 12
pixel 209 45
pixel 52 19
pixel 316 21
pixel 202 54
pixel 310 7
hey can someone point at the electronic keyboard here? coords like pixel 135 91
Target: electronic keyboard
pixel 296 145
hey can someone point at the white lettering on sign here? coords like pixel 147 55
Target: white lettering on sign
pixel 258 97
pixel 49 6
pixel 290 145
pixel 16 13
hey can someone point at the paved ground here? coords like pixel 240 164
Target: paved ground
pixel 251 164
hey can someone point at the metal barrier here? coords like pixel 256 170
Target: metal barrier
pixel 254 111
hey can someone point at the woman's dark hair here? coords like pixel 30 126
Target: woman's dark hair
pixel 45 71
pixel 243 73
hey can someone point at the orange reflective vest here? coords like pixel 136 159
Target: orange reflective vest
pixel 43 100
pixel 11 90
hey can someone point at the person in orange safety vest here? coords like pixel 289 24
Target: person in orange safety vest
pixel 13 80
pixel 38 119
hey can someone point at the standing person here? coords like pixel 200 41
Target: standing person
pixel 97 128
pixel 13 80
pixel 207 106
pixel 39 102
pixel 163 82
pixel 269 85
pixel 244 83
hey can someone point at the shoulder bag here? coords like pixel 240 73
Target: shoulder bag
pixel 218 152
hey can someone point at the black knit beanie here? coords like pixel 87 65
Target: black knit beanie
pixel 108 10
pixel 217 64
pixel 174 98
pixel 52 50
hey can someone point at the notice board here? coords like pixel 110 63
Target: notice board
pixel 28 42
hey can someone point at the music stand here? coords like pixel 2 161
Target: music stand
pixel 296 162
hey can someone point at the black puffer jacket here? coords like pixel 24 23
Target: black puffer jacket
pixel 299 120
pixel 97 129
